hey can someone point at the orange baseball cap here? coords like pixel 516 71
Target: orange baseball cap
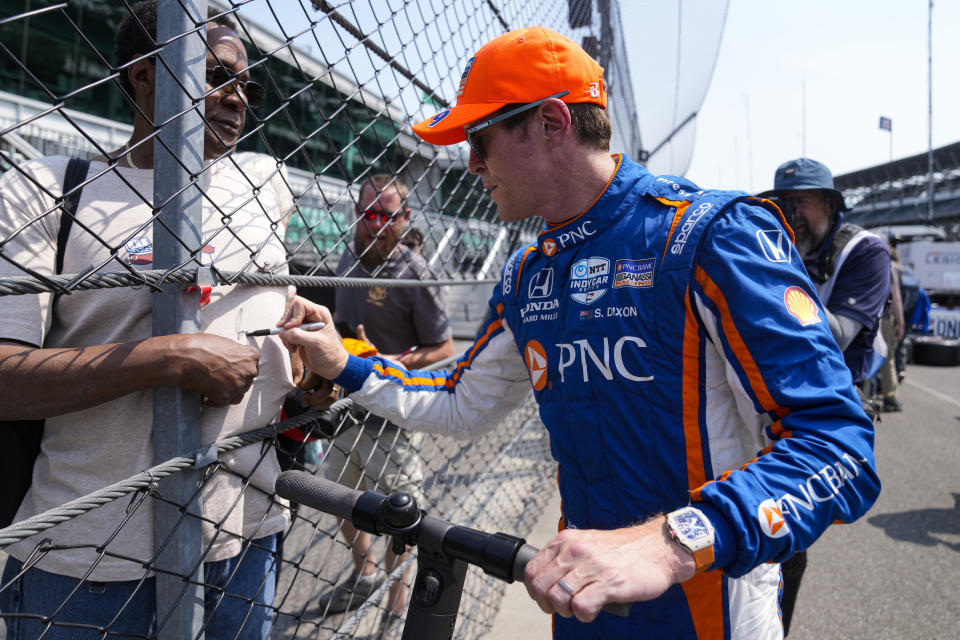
pixel 521 66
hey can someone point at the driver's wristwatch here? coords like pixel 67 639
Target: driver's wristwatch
pixel 691 529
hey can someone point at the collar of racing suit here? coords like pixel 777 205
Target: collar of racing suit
pixel 603 212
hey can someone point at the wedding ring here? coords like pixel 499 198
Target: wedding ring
pixel 563 585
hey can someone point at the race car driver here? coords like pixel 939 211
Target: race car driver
pixel 699 409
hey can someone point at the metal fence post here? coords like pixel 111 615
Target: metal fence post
pixel 176 412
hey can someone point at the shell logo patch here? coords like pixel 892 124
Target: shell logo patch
pixel 536 358
pixel 801 306
pixel 771 519
pixel 549 247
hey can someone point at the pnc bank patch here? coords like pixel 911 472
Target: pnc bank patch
pixel 633 273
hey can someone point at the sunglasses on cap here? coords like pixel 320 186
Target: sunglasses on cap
pixel 227 83
pixel 477 145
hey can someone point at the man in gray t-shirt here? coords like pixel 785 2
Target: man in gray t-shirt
pixel 409 325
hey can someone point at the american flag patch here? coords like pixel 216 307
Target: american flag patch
pixel 463 78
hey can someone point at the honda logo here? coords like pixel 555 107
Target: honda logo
pixel 541 284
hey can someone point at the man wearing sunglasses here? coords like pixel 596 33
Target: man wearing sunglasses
pixel 410 323
pixel 703 421
pixel 87 364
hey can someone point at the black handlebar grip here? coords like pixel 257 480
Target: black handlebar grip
pixel 525 555
pixel 317 493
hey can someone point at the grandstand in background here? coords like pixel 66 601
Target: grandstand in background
pixel 329 135
pixel 895 194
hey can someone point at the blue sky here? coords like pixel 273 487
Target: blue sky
pixel 859 60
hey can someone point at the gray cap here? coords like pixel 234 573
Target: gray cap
pixel 804 173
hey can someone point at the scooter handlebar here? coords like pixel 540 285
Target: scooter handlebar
pixel 337 500
pixel 318 493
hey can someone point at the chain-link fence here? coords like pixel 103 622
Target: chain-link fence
pixel 223 172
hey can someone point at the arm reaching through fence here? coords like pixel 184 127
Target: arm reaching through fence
pixel 488 381
pixel 41 383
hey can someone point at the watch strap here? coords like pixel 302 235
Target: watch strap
pixel 703 558
pixel 703 555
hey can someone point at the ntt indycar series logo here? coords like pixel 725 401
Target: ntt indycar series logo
pixel 589 279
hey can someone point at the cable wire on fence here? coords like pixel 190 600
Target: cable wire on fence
pixel 154 278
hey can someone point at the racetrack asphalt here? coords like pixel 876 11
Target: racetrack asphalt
pixel 893 574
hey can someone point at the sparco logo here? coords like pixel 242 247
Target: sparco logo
pixel 508 275
pixel 680 240
pixel 625 351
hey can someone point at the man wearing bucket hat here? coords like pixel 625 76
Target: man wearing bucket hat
pixel 690 385
pixel 851 269
pixel 849 266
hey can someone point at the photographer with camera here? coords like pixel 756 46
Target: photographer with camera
pixel 850 268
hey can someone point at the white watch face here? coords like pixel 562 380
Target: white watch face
pixel 690 525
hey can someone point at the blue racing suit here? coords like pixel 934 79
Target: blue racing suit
pixel 678 354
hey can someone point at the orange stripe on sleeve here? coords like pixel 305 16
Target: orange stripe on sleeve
pixel 695 494
pixel 739 347
pixel 439 381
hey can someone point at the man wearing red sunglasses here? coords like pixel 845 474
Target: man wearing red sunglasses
pixel 382 214
pixel 411 322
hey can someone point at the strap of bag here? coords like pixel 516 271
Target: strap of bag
pixel 22 438
pixel 843 236
pixel 76 171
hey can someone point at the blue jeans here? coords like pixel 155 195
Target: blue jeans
pixel 129 607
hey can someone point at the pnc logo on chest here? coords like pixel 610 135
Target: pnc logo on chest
pixel 536 360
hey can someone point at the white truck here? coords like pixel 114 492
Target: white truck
pixel 935 264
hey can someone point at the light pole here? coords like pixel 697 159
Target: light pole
pixel 930 113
